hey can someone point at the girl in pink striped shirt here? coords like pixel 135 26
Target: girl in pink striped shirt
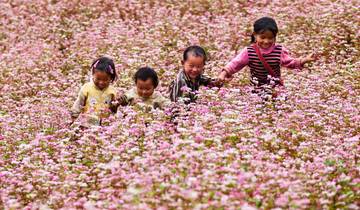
pixel 275 55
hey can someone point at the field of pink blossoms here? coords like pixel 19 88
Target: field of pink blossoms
pixel 229 151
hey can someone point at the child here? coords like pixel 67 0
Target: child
pixel 146 81
pixel 191 76
pixel 264 70
pixel 95 97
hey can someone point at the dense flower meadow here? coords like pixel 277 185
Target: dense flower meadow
pixel 231 150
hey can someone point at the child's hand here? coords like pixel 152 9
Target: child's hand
pixel 157 105
pixel 70 122
pixel 216 83
pixel 224 77
pixel 115 103
pixel 122 100
pixel 310 58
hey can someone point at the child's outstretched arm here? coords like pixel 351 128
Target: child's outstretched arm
pixel 235 65
pixel 224 76
pixel 309 58
pixel 294 63
pixel 210 82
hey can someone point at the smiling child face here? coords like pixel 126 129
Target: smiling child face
pixel 101 79
pixel 193 66
pixel 265 39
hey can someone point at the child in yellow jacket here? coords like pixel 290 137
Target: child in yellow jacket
pixel 95 97
pixel 146 81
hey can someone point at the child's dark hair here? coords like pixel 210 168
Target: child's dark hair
pixel 105 64
pixel 264 24
pixel 146 73
pixel 196 51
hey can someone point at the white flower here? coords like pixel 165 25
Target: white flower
pixel 247 207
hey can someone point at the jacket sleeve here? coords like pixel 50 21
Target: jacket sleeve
pixel 205 80
pixel 237 63
pixel 79 104
pixel 175 89
pixel 161 102
pixel 287 61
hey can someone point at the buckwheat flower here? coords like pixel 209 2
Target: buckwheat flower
pixel 282 201
pixel 190 194
pixel 89 205
pixel 247 207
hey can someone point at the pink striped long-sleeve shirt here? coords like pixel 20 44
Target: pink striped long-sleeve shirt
pixel 242 59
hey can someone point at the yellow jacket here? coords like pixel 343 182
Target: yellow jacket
pixel 155 100
pixel 93 101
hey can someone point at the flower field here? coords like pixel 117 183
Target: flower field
pixel 230 150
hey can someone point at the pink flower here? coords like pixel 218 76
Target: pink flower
pixel 164 145
pixel 282 201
